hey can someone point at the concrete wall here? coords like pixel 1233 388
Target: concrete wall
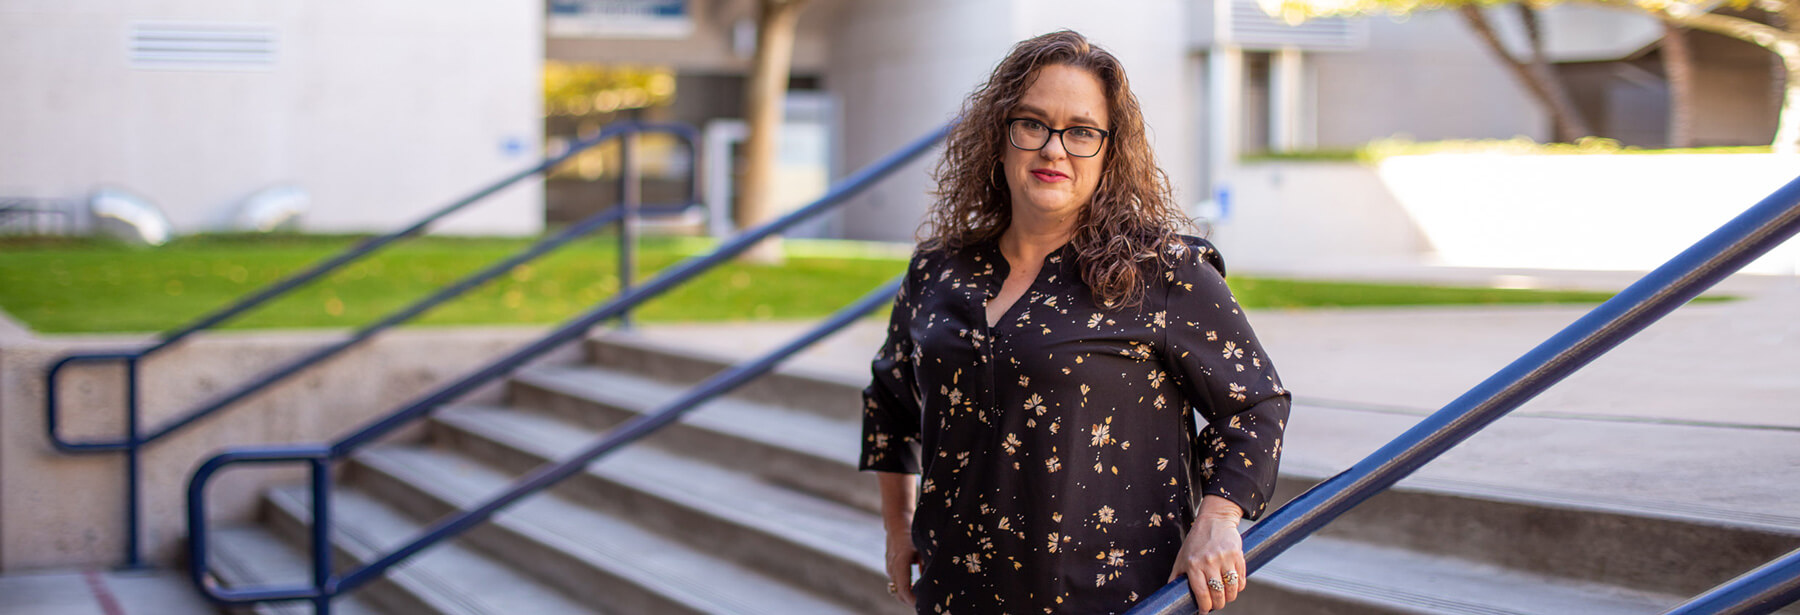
pixel 380 110
pixel 1603 212
pixel 1301 215
pixel 1427 77
pixel 711 48
pixel 903 68
pixel 1737 101
pixel 1583 212
pixel 45 523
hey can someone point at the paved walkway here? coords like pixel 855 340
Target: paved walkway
pixel 1732 363
pixel 148 592
pixel 1697 416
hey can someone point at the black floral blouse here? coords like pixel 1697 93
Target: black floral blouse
pixel 1057 452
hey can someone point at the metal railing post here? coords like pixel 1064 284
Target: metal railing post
pixel 321 535
pixel 630 192
pixel 134 557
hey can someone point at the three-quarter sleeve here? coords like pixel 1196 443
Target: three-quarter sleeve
pixel 891 409
pixel 1222 370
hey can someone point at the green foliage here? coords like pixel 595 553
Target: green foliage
pixel 1376 151
pixel 95 286
pixel 1282 293
pixel 583 89
pixel 1297 11
pixel 70 286
pixel 1308 155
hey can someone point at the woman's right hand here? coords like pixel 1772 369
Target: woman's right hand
pixel 901 557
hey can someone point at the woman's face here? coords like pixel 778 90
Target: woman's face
pixel 1050 182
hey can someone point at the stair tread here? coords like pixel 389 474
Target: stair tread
pixel 252 556
pixel 1334 436
pixel 806 432
pixel 838 529
pixel 1424 583
pixel 650 560
pixel 457 577
pixel 1395 578
pixel 1568 463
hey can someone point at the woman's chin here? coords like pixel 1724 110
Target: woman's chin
pixel 1054 205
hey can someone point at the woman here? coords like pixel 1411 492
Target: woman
pixel 1052 334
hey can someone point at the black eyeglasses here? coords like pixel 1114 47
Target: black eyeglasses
pixel 1032 135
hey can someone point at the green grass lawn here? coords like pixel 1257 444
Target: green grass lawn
pixel 69 286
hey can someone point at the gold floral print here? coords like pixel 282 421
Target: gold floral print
pixel 1035 403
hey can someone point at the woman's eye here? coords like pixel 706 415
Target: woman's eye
pixel 1084 133
pixel 1034 126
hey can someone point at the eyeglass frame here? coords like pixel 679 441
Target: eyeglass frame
pixel 1058 134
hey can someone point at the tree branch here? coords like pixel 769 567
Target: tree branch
pixel 1763 35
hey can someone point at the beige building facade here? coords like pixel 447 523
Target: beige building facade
pixel 378 111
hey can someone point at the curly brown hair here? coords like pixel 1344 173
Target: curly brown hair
pixel 1132 218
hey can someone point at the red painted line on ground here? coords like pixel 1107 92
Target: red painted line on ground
pixel 109 604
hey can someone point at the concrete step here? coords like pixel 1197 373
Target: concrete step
pixel 447 579
pixel 1325 575
pixel 1554 534
pixel 1561 496
pixel 251 556
pixel 803 450
pixel 827 547
pixel 602 558
pixel 1523 518
pixel 826 393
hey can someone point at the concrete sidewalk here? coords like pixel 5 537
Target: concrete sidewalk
pixel 1733 363
pixel 1696 417
pixel 142 592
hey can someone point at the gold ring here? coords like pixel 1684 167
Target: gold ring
pixel 892 588
pixel 1215 585
pixel 1231 577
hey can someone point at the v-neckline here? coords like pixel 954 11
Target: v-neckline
pixel 1003 270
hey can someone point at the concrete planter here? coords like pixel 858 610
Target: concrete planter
pixel 1599 212
pixel 59 510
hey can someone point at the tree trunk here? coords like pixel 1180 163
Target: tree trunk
pixel 1786 16
pixel 1571 123
pixel 1781 39
pixel 1678 67
pixel 1542 85
pixel 1787 131
pixel 763 104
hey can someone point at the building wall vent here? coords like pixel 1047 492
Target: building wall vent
pixel 1251 28
pixel 201 46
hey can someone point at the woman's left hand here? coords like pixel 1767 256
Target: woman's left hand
pixel 1212 556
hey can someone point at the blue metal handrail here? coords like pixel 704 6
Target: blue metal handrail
pixel 135 438
pixel 1763 590
pixel 326 585
pixel 1728 249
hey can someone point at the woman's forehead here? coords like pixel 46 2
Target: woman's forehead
pixel 1061 92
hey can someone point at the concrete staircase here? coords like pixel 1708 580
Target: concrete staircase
pixel 753 505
